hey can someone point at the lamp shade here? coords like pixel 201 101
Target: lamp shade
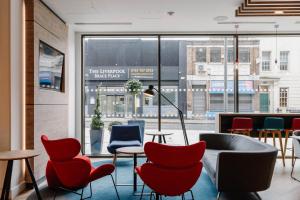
pixel 149 91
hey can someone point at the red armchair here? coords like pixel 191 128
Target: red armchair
pixel 70 171
pixel 171 170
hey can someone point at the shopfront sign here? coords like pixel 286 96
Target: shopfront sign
pixel 120 73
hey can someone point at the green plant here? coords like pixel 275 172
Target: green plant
pixel 97 122
pixel 112 124
pixel 134 87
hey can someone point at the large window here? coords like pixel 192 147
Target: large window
pixel 266 61
pixel 283 97
pixel 284 60
pixel 215 54
pixel 195 75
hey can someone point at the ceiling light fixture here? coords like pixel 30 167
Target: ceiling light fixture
pixel 278 12
pixel 220 18
pixel 170 13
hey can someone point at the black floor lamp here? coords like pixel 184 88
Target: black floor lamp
pixel 150 92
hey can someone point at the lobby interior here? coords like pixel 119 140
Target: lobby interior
pixel 120 86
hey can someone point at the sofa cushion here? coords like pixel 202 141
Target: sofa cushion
pixel 210 162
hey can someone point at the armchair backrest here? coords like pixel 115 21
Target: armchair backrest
pixel 62 149
pixel 176 157
pixel 125 133
pixel 72 170
pixel 141 124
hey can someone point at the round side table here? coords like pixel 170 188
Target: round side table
pixel 160 135
pixel 132 151
pixel 10 156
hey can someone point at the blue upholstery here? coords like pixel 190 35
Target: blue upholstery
pixel 274 123
pixel 124 136
pixel 141 124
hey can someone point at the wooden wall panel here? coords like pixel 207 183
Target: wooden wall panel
pixel 46 110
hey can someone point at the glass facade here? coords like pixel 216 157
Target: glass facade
pixel 197 75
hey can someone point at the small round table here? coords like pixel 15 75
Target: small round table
pixel 132 151
pixel 161 136
pixel 10 156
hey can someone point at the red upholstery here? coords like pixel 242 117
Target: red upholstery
pixel 172 170
pixel 296 124
pixel 66 168
pixel 242 123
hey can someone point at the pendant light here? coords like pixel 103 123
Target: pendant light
pixel 276 35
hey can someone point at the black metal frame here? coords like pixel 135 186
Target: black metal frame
pixel 7 180
pixel 82 190
pixel 159 35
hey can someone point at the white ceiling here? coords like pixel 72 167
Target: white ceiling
pixel 151 16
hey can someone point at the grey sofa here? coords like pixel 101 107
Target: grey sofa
pixel 237 163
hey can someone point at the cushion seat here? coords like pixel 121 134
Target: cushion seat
pixel 120 143
pixel 210 162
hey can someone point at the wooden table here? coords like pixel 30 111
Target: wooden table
pixel 132 151
pixel 161 136
pixel 10 156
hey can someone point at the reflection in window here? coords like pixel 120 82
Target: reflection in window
pixel 201 54
pixel 283 97
pixel 266 61
pixel 284 60
pixel 215 54
pixel 244 55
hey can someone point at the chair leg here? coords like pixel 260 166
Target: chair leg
pixel 259 135
pixel 266 136
pixel 281 147
pixel 114 159
pixel 219 195
pixel 274 142
pixel 287 134
pixel 257 195
pixel 55 191
pixel 81 194
pixel 142 193
pixel 115 187
pixel 192 194
pixel 183 197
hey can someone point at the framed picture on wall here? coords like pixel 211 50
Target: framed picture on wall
pixel 51 68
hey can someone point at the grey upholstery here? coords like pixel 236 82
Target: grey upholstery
pixel 238 163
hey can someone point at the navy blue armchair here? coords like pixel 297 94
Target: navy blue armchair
pixel 141 124
pixel 124 136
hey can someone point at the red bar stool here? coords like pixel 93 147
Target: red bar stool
pixel 295 126
pixel 242 125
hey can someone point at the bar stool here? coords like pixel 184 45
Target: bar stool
pixel 295 127
pixel 242 125
pixel 274 126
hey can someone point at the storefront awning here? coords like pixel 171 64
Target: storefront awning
pixel 217 87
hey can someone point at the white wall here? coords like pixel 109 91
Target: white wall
pixel 71 50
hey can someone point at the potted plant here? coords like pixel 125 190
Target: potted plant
pixel 96 132
pixel 135 87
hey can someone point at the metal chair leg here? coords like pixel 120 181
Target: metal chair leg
pixel 219 196
pixel 293 166
pixel 115 186
pixel 81 194
pixel 142 193
pixel 182 197
pixel 257 195
pixel 192 194
pixel 55 191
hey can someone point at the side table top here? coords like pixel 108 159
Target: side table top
pixel 18 154
pixel 130 150
pixel 159 133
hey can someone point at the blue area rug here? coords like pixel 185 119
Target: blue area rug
pixel 103 188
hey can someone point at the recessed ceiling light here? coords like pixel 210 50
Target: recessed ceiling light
pixel 170 12
pixel 220 18
pixel 278 12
